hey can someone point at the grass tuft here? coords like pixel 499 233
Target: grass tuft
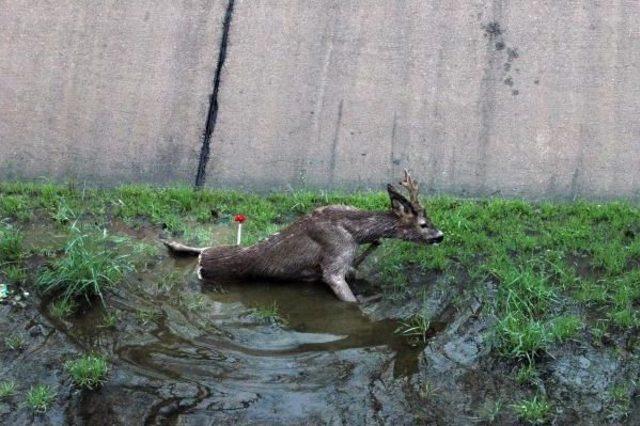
pixel 88 371
pixel 90 265
pixel 194 302
pixel 63 308
pixel 527 374
pixel 14 342
pixel 10 243
pixel 15 274
pixel 7 389
pixel 147 316
pixel 415 328
pixel 109 320
pixel 268 314
pixel 40 398
pixel 535 410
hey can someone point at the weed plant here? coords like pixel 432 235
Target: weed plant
pixel 535 410
pixel 10 244
pixel 7 389
pixel 415 328
pixel 269 314
pixel 63 308
pixel 40 398
pixel 88 371
pixel 14 342
pixel 89 266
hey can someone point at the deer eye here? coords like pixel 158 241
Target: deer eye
pixel 424 225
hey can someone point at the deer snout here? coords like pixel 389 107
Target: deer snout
pixel 437 238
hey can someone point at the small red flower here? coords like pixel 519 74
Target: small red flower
pixel 240 218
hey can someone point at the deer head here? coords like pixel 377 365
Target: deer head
pixel 413 223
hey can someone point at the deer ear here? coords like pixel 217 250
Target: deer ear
pixel 399 203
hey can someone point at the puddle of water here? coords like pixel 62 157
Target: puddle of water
pixel 311 309
pixel 236 360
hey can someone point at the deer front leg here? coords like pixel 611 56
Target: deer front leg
pixel 334 270
pixel 338 249
pixel 351 273
pixel 340 287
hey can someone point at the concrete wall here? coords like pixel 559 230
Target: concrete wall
pixel 535 98
pixel 105 90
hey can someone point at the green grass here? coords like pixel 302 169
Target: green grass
pixel 63 308
pixel 109 320
pixel 7 389
pixel 535 410
pixel 62 213
pixel 10 244
pixel 269 314
pixel 147 316
pixel 527 374
pixel 620 401
pixel 169 281
pixel 562 270
pixel 88 371
pixel 490 410
pixel 14 342
pixel 194 302
pixel 15 206
pixel 428 390
pixel 40 398
pixel 415 328
pixel 89 266
pixel 15 274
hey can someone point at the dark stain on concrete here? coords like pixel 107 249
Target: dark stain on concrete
pixel 492 30
pixel 212 114
pixel 495 33
pixel 334 145
pixel 488 99
pixel 576 178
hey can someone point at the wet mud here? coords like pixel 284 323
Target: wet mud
pixel 187 352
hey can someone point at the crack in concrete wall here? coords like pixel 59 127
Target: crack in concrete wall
pixel 212 114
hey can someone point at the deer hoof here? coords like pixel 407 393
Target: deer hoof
pixel 369 299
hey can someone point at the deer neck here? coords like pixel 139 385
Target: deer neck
pixel 374 226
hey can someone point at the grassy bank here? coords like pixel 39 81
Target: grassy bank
pixel 562 270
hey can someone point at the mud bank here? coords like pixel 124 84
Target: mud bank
pixel 186 352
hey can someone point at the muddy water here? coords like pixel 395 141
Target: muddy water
pixel 325 361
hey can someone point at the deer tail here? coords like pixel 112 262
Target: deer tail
pixel 181 249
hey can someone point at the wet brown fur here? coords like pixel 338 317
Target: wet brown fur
pixel 320 246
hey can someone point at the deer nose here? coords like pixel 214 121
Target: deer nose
pixel 438 237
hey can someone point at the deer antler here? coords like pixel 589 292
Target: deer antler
pixel 412 187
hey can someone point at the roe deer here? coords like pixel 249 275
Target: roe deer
pixel 321 245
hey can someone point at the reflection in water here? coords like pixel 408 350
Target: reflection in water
pixel 238 361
